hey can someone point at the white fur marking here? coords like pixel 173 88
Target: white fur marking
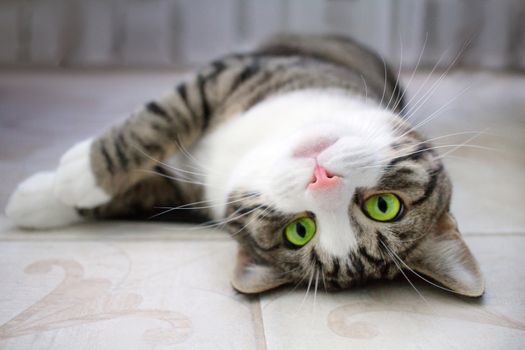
pixel 255 151
pixel 75 183
pixel 33 204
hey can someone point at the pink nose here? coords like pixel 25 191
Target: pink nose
pixel 322 179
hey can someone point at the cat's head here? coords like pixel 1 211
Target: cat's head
pixel 345 199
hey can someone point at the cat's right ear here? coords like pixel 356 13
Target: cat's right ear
pixel 250 277
pixel 445 257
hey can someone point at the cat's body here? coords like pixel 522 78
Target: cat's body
pixel 298 149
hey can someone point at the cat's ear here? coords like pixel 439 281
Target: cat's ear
pixel 250 277
pixel 445 257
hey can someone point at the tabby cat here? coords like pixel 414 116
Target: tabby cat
pixel 298 149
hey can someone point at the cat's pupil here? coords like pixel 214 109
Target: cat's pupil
pixel 382 205
pixel 300 229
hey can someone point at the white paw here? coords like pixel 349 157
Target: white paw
pixel 75 183
pixel 33 204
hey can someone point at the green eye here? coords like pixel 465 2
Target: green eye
pixel 300 231
pixel 383 207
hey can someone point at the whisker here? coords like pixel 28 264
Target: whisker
pixel 435 113
pixel 315 288
pixel 307 289
pixel 179 179
pixel 165 164
pixel 435 85
pixel 413 73
pixel 190 206
pixel 421 277
pixel 401 270
pixel 396 85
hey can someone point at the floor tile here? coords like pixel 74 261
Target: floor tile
pixel 121 295
pixel 394 316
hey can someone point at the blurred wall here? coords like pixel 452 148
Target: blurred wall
pixel 182 33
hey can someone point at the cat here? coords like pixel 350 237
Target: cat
pixel 298 149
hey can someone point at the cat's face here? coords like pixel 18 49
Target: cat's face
pixel 343 200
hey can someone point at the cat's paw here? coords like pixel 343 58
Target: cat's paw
pixel 75 183
pixel 33 204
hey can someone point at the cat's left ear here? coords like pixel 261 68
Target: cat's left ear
pixel 250 277
pixel 445 257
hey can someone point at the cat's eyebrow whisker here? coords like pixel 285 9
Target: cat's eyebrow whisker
pixel 382 163
pixel 477 133
pixel 413 73
pixel 435 114
pixel 399 153
pixel 396 86
pixel 393 257
pixel 384 82
pixel 408 104
pixel 422 100
pixel 464 144
pixel 436 84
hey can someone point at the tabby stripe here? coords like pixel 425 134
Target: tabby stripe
pixel 335 284
pixel 218 68
pixel 183 94
pixel 253 242
pixel 121 156
pixel 157 110
pixel 356 268
pixel 146 147
pixel 238 225
pixel 431 186
pixel 408 250
pixel 181 119
pixel 404 171
pixel 269 210
pixel 204 101
pixel 248 71
pixel 315 259
pixel 107 158
pixel 369 258
pixel 335 269
pixel 414 155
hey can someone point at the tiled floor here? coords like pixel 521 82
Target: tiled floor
pixel 153 286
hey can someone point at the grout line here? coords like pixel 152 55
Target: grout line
pixel 104 237
pixel 114 239
pixel 258 324
pixel 493 234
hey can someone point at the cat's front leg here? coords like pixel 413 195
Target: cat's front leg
pixel 96 171
pixel 50 199
pixel 75 183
